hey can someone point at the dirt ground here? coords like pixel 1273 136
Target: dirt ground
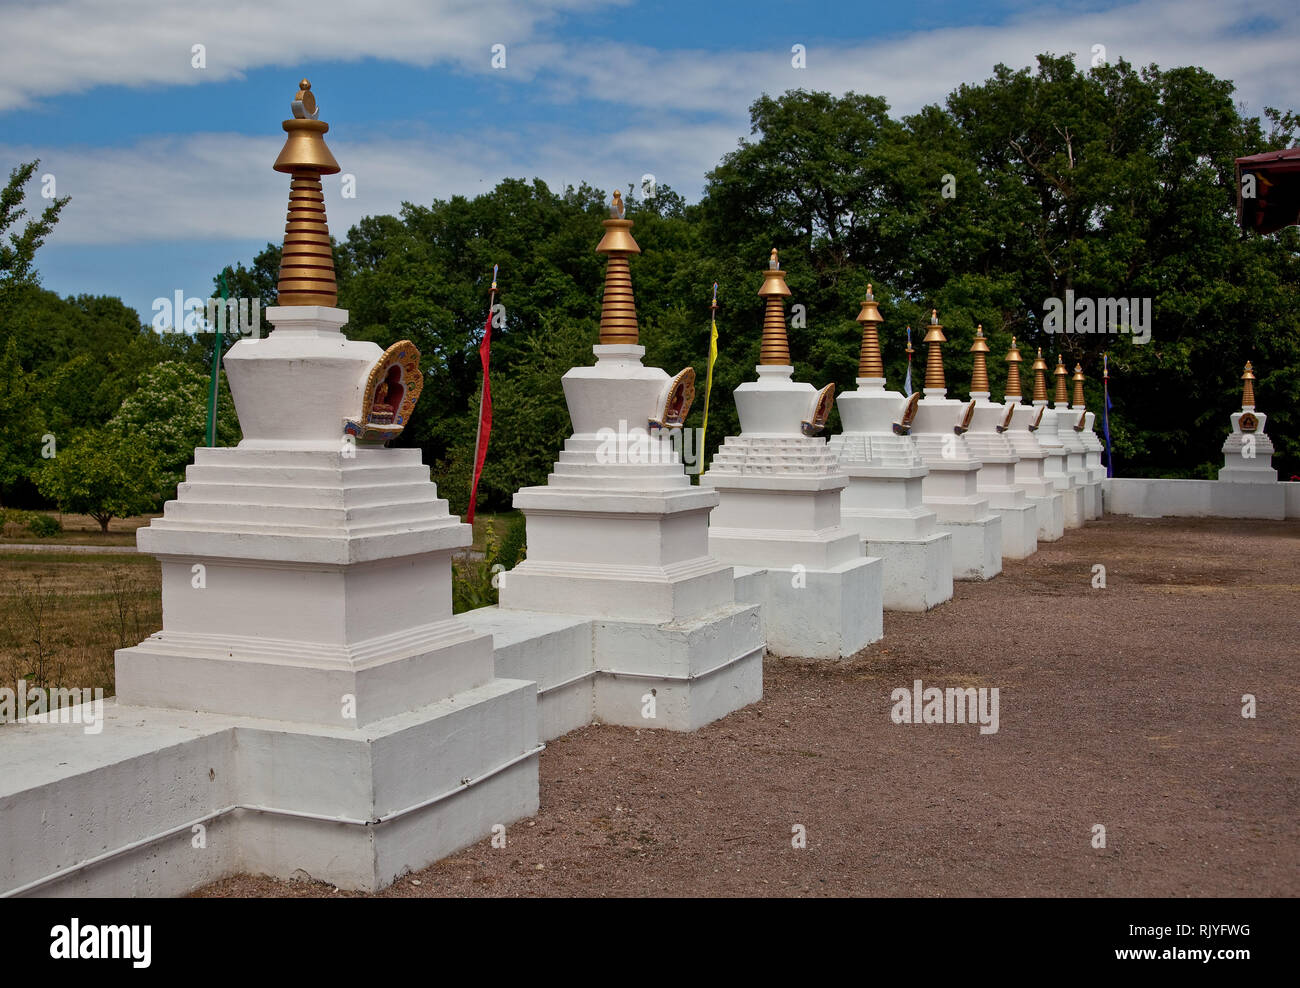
pixel 1119 706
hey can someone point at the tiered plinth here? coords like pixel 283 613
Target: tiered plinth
pixel 1031 472
pixel 618 539
pixel 1055 466
pixel 882 501
pixel 1248 456
pixel 951 490
pixel 779 512
pixel 997 479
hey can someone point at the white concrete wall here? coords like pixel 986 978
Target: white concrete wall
pixel 1157 498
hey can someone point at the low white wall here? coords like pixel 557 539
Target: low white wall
pixel 1157 498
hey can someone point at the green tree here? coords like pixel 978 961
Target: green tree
pixel 168 414
pixel 102 473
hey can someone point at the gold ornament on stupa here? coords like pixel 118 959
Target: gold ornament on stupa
pixel 1014 360
pixel 1062 389
pixel 775 348
pixel 618 308
pixel 1248 387
pixel 1078 386
pixel 1040 377
pixel 307 261
pixel 934 340
pixel 979 378
pixel 870 361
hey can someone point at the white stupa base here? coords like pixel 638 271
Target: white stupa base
pixel 814 613
pixel 976 547
pixel 917 572
pixel 1019 530
pixel 589 669
pixel 1242 474
pixel 358 730
pixel 124 812
pixel 1051 516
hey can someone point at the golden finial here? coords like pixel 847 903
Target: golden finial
pixel 1014 361
pixel 775 348
pixel 307 260
pixel 979 379
pixel 1248 387
pixel 1062 396
pixel 618 307
pixel 910 348
pixel 934 340
pixel 870 363
pixel 1078 386
pixel 1040 377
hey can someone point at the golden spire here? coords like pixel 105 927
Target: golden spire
pixel 618 308
pixel 934 339
pixel 775 348
pixel 1013 371
pixel 870 363
pixel 307 261
pixel 1078 386
pixel 1248 387
pixel 1062 391
pixel 979 378
pixel 1040 377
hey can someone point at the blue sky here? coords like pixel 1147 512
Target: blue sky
pixel 169 165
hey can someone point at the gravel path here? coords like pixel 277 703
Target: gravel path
pixel 1119 706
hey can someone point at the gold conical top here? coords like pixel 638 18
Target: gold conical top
pixel 870 362
pixel 775 348
pixel 1078 386
pixel 307 261
pixel 1040 377
pixel 618 307
pixel 979 379
pixel 934 340
pixel 1248 387
pixel 1062 396
pixel 1014 360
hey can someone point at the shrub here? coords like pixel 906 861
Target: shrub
pixel 44 526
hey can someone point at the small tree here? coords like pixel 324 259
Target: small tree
pixel 103 474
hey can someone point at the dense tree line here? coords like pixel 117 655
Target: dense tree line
pixel 1116 182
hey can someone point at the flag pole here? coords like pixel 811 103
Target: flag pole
pixel 478 438
pixel 708 385
pixel 1105 414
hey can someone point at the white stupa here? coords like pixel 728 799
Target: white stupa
pixel 1092 447
pixel 882 502
pixel 988 441
pixel 951 489
pixel 1031 466
pixel 311 706
pixel 1067 484
pixel 778 518
pixel 1248 452
pixel 619 610
pixel 1069 425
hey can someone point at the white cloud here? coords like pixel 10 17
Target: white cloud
pixel 67 46
pixel 221 186
pixel 688 107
